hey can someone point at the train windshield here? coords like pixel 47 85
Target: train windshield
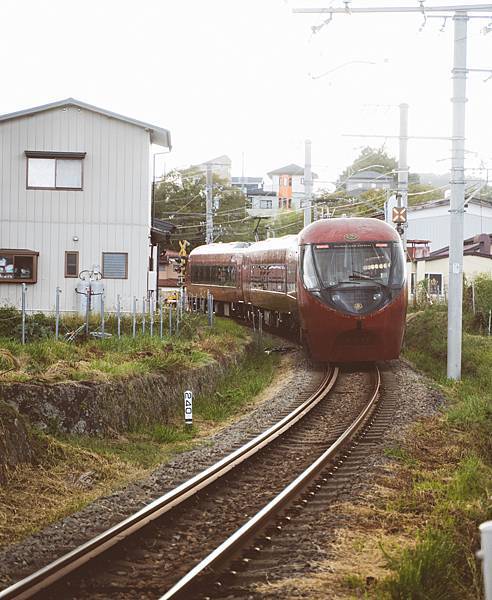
pixel 354 277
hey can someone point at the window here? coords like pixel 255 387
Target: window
pixel 71 264
pixel 18 266
pixel 434 282
pixel 54 170
pixel 265 203
pixel 115 265
pixel 214 275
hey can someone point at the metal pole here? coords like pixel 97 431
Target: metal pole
pixel 473 297
pixel 403 165
pixel 490 319
pixel 209 235
pixel 57 312
pixel 151 317
pixel 143 315
pixel 457 198
pixel 118 313
pixel 134 317
pixel 308 183
pixel 170 319
pixel 87 308
pixel 161 322
pixel 102 315
pixel 486 555
pixel 24 290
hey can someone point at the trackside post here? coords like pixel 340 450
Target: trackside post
pixel 188 407
pixel 486 555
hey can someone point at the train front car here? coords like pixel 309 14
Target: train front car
pixel 351 290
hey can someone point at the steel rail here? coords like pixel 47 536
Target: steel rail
pixel 240 538
pixel 58 569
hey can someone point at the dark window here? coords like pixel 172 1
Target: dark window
pixel 213 275
pixel 71 264
pixel 18 266
pixel 54 170
pixel 115 265
pixel 434 283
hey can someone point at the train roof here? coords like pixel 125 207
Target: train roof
pixel 353 229
pixel 280 243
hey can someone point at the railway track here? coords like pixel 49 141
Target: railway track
pixel 57 573
pixel 147 553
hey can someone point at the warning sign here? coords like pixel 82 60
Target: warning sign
pixel 399 215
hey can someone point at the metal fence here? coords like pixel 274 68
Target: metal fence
pixel 144 316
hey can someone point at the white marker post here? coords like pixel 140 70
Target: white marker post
pixel 188 407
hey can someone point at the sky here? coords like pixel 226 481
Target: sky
pixel 248 78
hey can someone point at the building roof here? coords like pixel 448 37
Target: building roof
pixel 241 180
pixel 446 202
pixel 261 193
pixel 478 245
pixel 291 169
pixel 370 176
pixel 158 135
pixel 219 161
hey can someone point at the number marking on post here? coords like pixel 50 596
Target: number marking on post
pixel 188 407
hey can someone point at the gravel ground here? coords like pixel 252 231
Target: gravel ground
pixel 23 558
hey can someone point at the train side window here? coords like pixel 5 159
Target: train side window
pixel 308 270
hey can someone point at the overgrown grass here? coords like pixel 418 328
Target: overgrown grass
pixel 53 360
pixel 150 446
pixel 447 464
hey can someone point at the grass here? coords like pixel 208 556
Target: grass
pixel 50 360
pixel 74 470
pixel 446 465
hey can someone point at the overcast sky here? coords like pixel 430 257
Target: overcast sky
pixel 236 76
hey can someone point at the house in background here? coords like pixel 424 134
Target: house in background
pixel 288 184
pixel 430 221
pixel 75 194
pixel 364 181
pixel 248 184
pixel 221 167
pixel 434 266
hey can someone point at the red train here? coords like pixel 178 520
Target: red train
pixel 340 283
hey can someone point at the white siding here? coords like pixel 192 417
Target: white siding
pixel 433 223
pixel 110 214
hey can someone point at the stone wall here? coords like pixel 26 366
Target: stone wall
pixel 108 408
pixel 16 442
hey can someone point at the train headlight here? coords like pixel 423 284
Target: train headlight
pixel 377 296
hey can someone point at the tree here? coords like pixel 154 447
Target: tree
pixel 180 198
pixel 371 159
pixel 419 193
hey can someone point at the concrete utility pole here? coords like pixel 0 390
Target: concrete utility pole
pixel 308 183
pixel 457 204
pixel 209 229
pixel 460 70
pixel 403 164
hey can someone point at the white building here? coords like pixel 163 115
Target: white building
pixel 75 194
pixel 221 167
pixel 368 180
pixel 431 221
pixel 434 268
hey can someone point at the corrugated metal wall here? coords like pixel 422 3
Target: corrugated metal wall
pixel 111 213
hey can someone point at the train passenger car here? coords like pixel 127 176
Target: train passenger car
pixel 216 268
pixel 340 283
pixel 269 276
pixel 351 290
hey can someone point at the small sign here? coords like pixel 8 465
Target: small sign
pixel 188 407
pixel 456 268
pixel 399 214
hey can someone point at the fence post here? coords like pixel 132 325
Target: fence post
pixel 170 319
pixel 118 314
pixel 490 319
pixel 152 317
pixel 87 308
pixel 143 315
pixel 102 315
pixel 486 555
pixel 24 290
pixel 134 317
pixel 473 297
pixel 161 323
pixel 260 323
pixel 57 312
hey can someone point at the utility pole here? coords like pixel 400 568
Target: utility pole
pixel 457 204
pixel 209 226
pixel 403 165
pixel 460 71
pixel 308 183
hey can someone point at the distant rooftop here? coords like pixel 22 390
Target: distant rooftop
pixel 371 175
pixel 292 169
pixel 158 135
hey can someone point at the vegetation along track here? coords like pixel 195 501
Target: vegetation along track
pixel 195 518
